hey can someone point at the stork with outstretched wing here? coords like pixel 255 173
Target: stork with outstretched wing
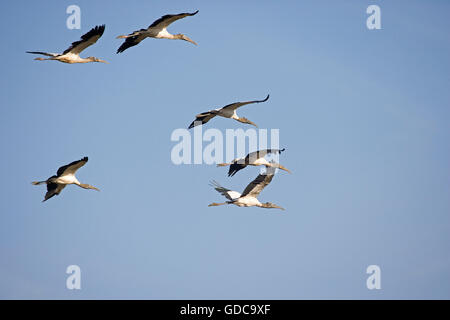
pixel 157 29
pixel 256 158
pixel 64 177
pixel 248 198
pixel 229 111
pixel 72 54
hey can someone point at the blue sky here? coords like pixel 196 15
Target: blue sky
pixel 363 115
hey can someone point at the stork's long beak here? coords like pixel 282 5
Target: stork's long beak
pixel 284 168
pixel 189 39
pixel 100 60
pixel 216 204
pixel 121 37
pixel 252 123
pixel 272 206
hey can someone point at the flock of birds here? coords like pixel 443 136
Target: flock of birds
pixel 158 29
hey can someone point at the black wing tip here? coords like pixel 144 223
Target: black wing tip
pixel 99 29
pixel 95 31
pixel 128 43
pixel 234 168
pixel 195 124
pixel 267 98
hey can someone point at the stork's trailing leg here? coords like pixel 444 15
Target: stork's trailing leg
pixel 36 183
pixel 223 164
pixel 214 204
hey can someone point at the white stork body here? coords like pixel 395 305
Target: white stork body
pixel 247 201
pixel 64 177
pixel 256 158
pixel 229 111
pixel 67 179
pixel 160 34
pixel 158 30
pixel 248 198
pixel 72 54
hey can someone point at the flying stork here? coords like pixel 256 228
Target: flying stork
pixel 256 158
pixel 248 198
pixel 229 111
pixel 158 29
pixel 72 54
pixel 64 176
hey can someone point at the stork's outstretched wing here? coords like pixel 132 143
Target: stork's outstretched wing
pixel 166 20
pixel 131 41
pixel 202 118
pixel 87 40
pixel 72 167
pixel 236 105
pixel 53 189
pixel 257 185
pixel 229 194
pixel 252 156
pixel 48 54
